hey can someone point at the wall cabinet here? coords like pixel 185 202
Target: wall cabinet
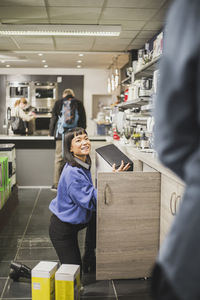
pixel 171 193
pixel 128 215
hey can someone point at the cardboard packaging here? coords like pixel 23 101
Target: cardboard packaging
pixel 67 282
pixel 43 280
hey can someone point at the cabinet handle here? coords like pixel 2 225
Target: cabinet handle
pixel 106 196
pixel 178 198
pixel 173 203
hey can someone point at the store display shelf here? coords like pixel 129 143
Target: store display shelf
pixel 133 103
pixel 147 69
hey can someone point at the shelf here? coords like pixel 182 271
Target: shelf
pixel 133 103
pixel 147 69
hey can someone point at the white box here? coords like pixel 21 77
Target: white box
pixel 67 282
pixel 43 280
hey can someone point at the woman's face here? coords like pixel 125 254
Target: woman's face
pixel 80 146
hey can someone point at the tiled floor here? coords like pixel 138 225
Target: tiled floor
pixel 24 238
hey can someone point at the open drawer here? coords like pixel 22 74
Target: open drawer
pixel 127 224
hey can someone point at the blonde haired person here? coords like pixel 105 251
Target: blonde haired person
pixel 18 111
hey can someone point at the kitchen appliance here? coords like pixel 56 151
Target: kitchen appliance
pixel 15 91
pixel 44 95
pixel 145 87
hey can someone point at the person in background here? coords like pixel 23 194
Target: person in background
pixel 30 110
pixel 176 274
pixel 68 94
pixel 76 197
pixel 18 111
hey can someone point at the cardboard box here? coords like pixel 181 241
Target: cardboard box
pixel 43 280
pixel 67 282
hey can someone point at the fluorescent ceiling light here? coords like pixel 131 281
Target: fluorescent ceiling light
pixel 60 30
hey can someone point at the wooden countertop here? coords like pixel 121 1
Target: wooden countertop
pixel 148 158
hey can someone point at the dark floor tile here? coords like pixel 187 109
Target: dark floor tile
pixel 138 288
pixel 4 269
pixel 27 195
pixel 35 241
pixel 19 289
pixel 2 284
pixel 98 289
pixel 37 254
pixel 98 298
pixel 7 254
pixel 47 194
pixel 39 223
pixel 10 241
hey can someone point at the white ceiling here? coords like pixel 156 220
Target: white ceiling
pixel 140 21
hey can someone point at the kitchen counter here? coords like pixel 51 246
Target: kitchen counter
pixel 148 158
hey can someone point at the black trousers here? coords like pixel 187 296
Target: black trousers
pixel 64 237
pixel 90 240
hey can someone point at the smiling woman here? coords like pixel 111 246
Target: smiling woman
pixel 76 199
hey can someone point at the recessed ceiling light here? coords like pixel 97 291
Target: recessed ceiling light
pixel 7 66
pixel 40 54
pixel 45 66
pixel 43 60
pixel 78 66
pixel 79 61
pixel 81 54
pixel 2 61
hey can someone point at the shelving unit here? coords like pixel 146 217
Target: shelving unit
pixel 147 69
pixel 133 103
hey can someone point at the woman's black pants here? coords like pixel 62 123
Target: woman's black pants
pixel 64 237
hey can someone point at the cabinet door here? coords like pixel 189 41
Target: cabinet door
pixel 127 224
pixel 171 193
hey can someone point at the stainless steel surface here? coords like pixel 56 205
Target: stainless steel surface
pixel 44 95
pixel 15 91
pixel 40 95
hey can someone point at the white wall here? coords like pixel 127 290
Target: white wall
pixel 95 82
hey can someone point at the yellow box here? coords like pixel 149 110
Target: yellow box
pixel 67 282
pixel 43 280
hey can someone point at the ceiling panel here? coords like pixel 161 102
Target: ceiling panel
pixel 33 40
pixel 25 20
pixel 22 3
pixel 147 34
pixel 82 13
pixel 7 43
pixel 134 3
pixel 23 12
pixel 128 34
pixel 67 43
pixel 153 25
pixel 82 3
pixel 119 14
pixel 139 20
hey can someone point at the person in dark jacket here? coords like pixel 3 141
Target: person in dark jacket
pixel 176 273
pixel 56 112
pixel 76 197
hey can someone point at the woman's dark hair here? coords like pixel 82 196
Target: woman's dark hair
pixel 67 154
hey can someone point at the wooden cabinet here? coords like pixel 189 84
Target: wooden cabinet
pixel 171 193
pixel 128 217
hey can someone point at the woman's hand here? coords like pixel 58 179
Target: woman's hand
pixel 121 168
